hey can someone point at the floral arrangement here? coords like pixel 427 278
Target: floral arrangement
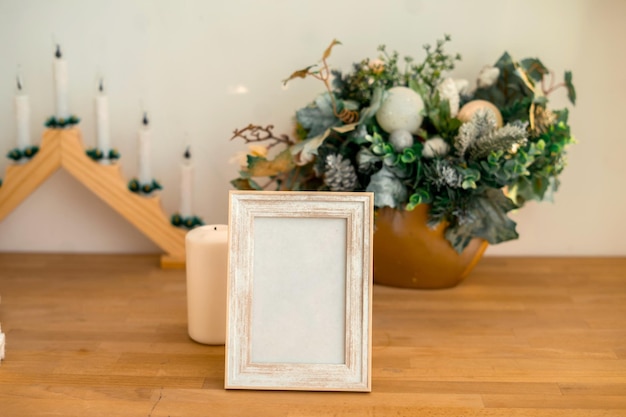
pixel 417 136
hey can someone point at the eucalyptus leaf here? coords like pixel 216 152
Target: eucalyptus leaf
pixel 366 160
pixel 306 150
pixel 359 135
pixel 378 97
pixel 490 221
pixel 388 189
pixel 318 117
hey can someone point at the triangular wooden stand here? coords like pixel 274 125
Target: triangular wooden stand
pixel 63 148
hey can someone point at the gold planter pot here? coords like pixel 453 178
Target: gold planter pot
pixel 407 253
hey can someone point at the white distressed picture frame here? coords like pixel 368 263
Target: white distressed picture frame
pixel 299 291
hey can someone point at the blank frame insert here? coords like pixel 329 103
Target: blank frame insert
pixel 290 293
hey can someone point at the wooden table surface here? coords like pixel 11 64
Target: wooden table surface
pixel 107 336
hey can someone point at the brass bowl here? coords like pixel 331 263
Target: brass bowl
pixel 409 254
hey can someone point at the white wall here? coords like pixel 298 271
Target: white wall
pixel 183 60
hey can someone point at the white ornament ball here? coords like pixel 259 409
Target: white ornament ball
pixel 435 147
pixel 401 110
pixel 468 110
pixel 401 139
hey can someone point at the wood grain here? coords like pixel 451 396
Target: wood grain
pixel 63 148
pixel 106 336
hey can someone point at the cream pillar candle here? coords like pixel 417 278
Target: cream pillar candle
pixel 186 186
pixel 145 176
pixel 207 260
pixel 103 129
pixel 22 117
pixel 60 84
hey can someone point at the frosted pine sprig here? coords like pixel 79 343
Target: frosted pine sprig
pixel 502 139
pixel 483 122
pixel 481 136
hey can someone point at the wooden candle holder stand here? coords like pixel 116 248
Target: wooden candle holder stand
pixel 63 148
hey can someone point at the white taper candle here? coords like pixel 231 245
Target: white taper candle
pixel 22 117
pixel 60 84
pixel 103 128
pixel 145 176
pixel 186 185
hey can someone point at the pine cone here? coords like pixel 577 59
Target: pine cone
pixel 339 173
pixel 544 118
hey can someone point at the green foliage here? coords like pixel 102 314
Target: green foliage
pixel 534 68
pixel 468 165
pixel 509 87
pixel 571 91
pixel 188 223
pixel 94 153
pixel 388 190
pixel 548 152
pixel 439 118
pixel 136 187
pixel 31 151
pixel 489 221
pixel 420 196
pixel 318 117
pixel 55 123
pixel 17 154
pixel 114 154
pixel 367 76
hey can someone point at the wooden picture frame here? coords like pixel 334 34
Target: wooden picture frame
pixel 299 291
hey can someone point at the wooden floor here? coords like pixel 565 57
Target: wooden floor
pixel 106 336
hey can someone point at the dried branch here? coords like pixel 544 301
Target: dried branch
pixel 548 90
pixel 255 133
pixel 323 74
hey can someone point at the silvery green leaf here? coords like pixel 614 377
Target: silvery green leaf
pixel 307 149
pixel 318 116
pixel 366 159
pixel 491 222
pixel 350 104
pixel 390 159
pixel 360 135
pixel 388 189
pixel 378 97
